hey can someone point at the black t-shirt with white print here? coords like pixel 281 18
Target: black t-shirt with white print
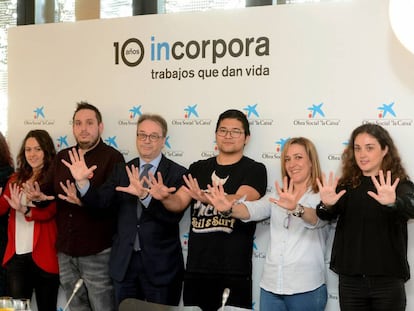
pixel 220 245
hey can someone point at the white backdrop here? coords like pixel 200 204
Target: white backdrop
pixel 314 70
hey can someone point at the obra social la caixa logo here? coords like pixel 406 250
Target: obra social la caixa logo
pixel 39 118
pixel 133 114
pixel 62 142
pixel 191 117
pixel 252 114
pixel 280 143
pixel 338 156
pixel 210 153
pixel 111 141
pixel 258 252
pixel 169 152
pixel 316 117
pixel 387 116
pixel 131 52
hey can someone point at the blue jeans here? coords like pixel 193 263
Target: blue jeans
pixel 365 293
pixel 314 300
pixel 97 292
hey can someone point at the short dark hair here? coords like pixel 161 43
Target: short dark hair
pixel 235 114
pixel 85 105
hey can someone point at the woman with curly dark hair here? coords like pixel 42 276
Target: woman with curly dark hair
pixel 30 259
pixel 6 169
pixel 373 200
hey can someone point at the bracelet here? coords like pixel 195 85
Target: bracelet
pixel 27 211
pixel 228 213
pixel 322 206
pixel 146 196
pixel 299 210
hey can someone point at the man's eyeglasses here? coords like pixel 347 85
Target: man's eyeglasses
pixel 152 137
pixel 234 133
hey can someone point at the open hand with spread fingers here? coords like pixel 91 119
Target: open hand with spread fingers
pixel 287 199
pixel 193 189
pixel 217 196
pixel 71 193
pixel 386 192
pixel 33 192
pixel 327 189
pixel 78 168
pixel 15 199
pixel 136 186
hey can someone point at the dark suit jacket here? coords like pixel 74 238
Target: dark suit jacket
pixel 158 228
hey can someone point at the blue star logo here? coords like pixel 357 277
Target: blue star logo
pixel 135 111
pixel 62 142
pixel 251 109
pixel 39 112
pixel 316 109
pixel 281 142
pixel 167 143
pixel 191 110
pixel 111 141
pixel 387 109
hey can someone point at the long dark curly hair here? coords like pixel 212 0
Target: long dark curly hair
pixel 24 170
pixel 351 173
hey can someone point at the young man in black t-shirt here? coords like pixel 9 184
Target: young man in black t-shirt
pixel 219 246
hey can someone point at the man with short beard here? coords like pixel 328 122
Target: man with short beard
pixel 84 234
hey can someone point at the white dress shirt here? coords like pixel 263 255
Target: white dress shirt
pixel 295 255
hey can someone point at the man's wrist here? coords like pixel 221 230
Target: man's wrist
pixel 229 212
pixel 145 196
pixel 81 183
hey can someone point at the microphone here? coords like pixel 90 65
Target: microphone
pixel 224 297
pixel 75 290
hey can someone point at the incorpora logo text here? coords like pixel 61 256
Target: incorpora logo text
pixel 209 49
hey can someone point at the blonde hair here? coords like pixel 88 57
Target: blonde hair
pixel 313 157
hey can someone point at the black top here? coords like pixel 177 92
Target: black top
pixel 82 231
pixel 370 238
pixel 5 172
pixel 220 245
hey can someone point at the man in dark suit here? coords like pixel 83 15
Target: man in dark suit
pixel 146 260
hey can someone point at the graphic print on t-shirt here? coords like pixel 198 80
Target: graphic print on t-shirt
pixel 205 217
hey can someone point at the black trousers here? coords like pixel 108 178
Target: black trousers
pixel 24 276
pixel 365 293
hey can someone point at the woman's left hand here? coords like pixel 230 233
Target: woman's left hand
pixel 386 194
